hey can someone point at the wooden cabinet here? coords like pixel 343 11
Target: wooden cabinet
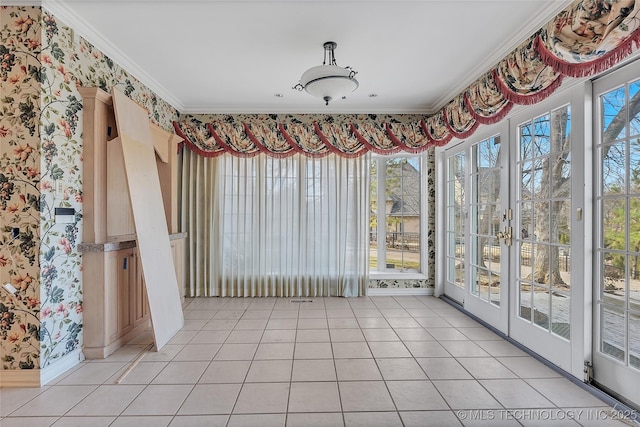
pixel 126 280
pixel 115 303
pixel 133 308
pixel 140 303
pixel 116 308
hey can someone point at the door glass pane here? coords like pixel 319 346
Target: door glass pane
pixel 526 221
pixel 495 289
pixel 634 166
pixel 451 242
pixel 525 298
pixel 541 136
pixel 634 122
pixel 459 272
pixel 526 142
pixel 613 168
pixel 483 279
pixel 613 105
pixel 541 306
pixel 561 261
pixel 526 261
pixel 613 273
pixel 479 221
pixel 540 179
pixel 451 215
pixel 560 222
pixel 540 261
pixel 560 129
pixel 634 340
pixel 634 286
pixel 614 223
pixel 541 222
pixel 561 176
pixel 451 270
pixel 612 332
pixel 475 281
pixel 526 181
pixel 493 254
pixel 560 311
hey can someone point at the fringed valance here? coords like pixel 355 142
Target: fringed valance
pixel 523 78
pixel 458 119
pixel 586 38
pixel 589 36
pixel 311 135
pixel 486 104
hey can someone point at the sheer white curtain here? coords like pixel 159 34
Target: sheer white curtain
pixel 288 227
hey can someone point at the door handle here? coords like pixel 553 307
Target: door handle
pixel 506 235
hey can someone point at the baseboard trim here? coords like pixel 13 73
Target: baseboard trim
pixel 107 350
pixel 59 367
pixel 398 291
pixel 19 378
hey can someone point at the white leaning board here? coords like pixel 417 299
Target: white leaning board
pixel 154 246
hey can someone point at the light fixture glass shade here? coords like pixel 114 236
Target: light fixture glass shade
pixel 328 82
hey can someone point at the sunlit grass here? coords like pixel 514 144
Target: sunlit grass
pixel 410 265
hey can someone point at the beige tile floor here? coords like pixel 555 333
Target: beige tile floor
pixel 370 361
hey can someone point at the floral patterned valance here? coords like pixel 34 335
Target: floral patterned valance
pixel 589 36
pixel 311 135
pixel 584 39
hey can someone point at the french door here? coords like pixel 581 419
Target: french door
pixel 547 310
pixel 511 217
pixel 616 352
pixel 478 221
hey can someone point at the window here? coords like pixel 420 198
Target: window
pixel 290 227
pixel 395 216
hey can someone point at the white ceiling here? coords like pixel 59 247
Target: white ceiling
pixel 214 56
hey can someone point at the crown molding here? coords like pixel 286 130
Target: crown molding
pixel 221 109
pixel 500 51
pixel 62 11
pixel 21 3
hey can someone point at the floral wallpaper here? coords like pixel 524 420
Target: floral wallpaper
pixel 20 172
pixel 41 169
pixel 397 283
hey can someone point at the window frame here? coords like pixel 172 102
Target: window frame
pixel 381 271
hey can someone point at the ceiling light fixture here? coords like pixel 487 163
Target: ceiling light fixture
pixel 328 81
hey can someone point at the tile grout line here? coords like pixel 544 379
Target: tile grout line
pixel 413 357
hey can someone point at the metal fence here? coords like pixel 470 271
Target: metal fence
pixel 527 254
pixel 409 241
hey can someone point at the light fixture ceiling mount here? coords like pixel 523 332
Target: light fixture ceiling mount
pixel 328 81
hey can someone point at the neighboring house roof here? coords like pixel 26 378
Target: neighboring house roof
pixel 406 198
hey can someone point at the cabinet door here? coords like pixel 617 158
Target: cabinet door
pixel 140 302
pixel 126 275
